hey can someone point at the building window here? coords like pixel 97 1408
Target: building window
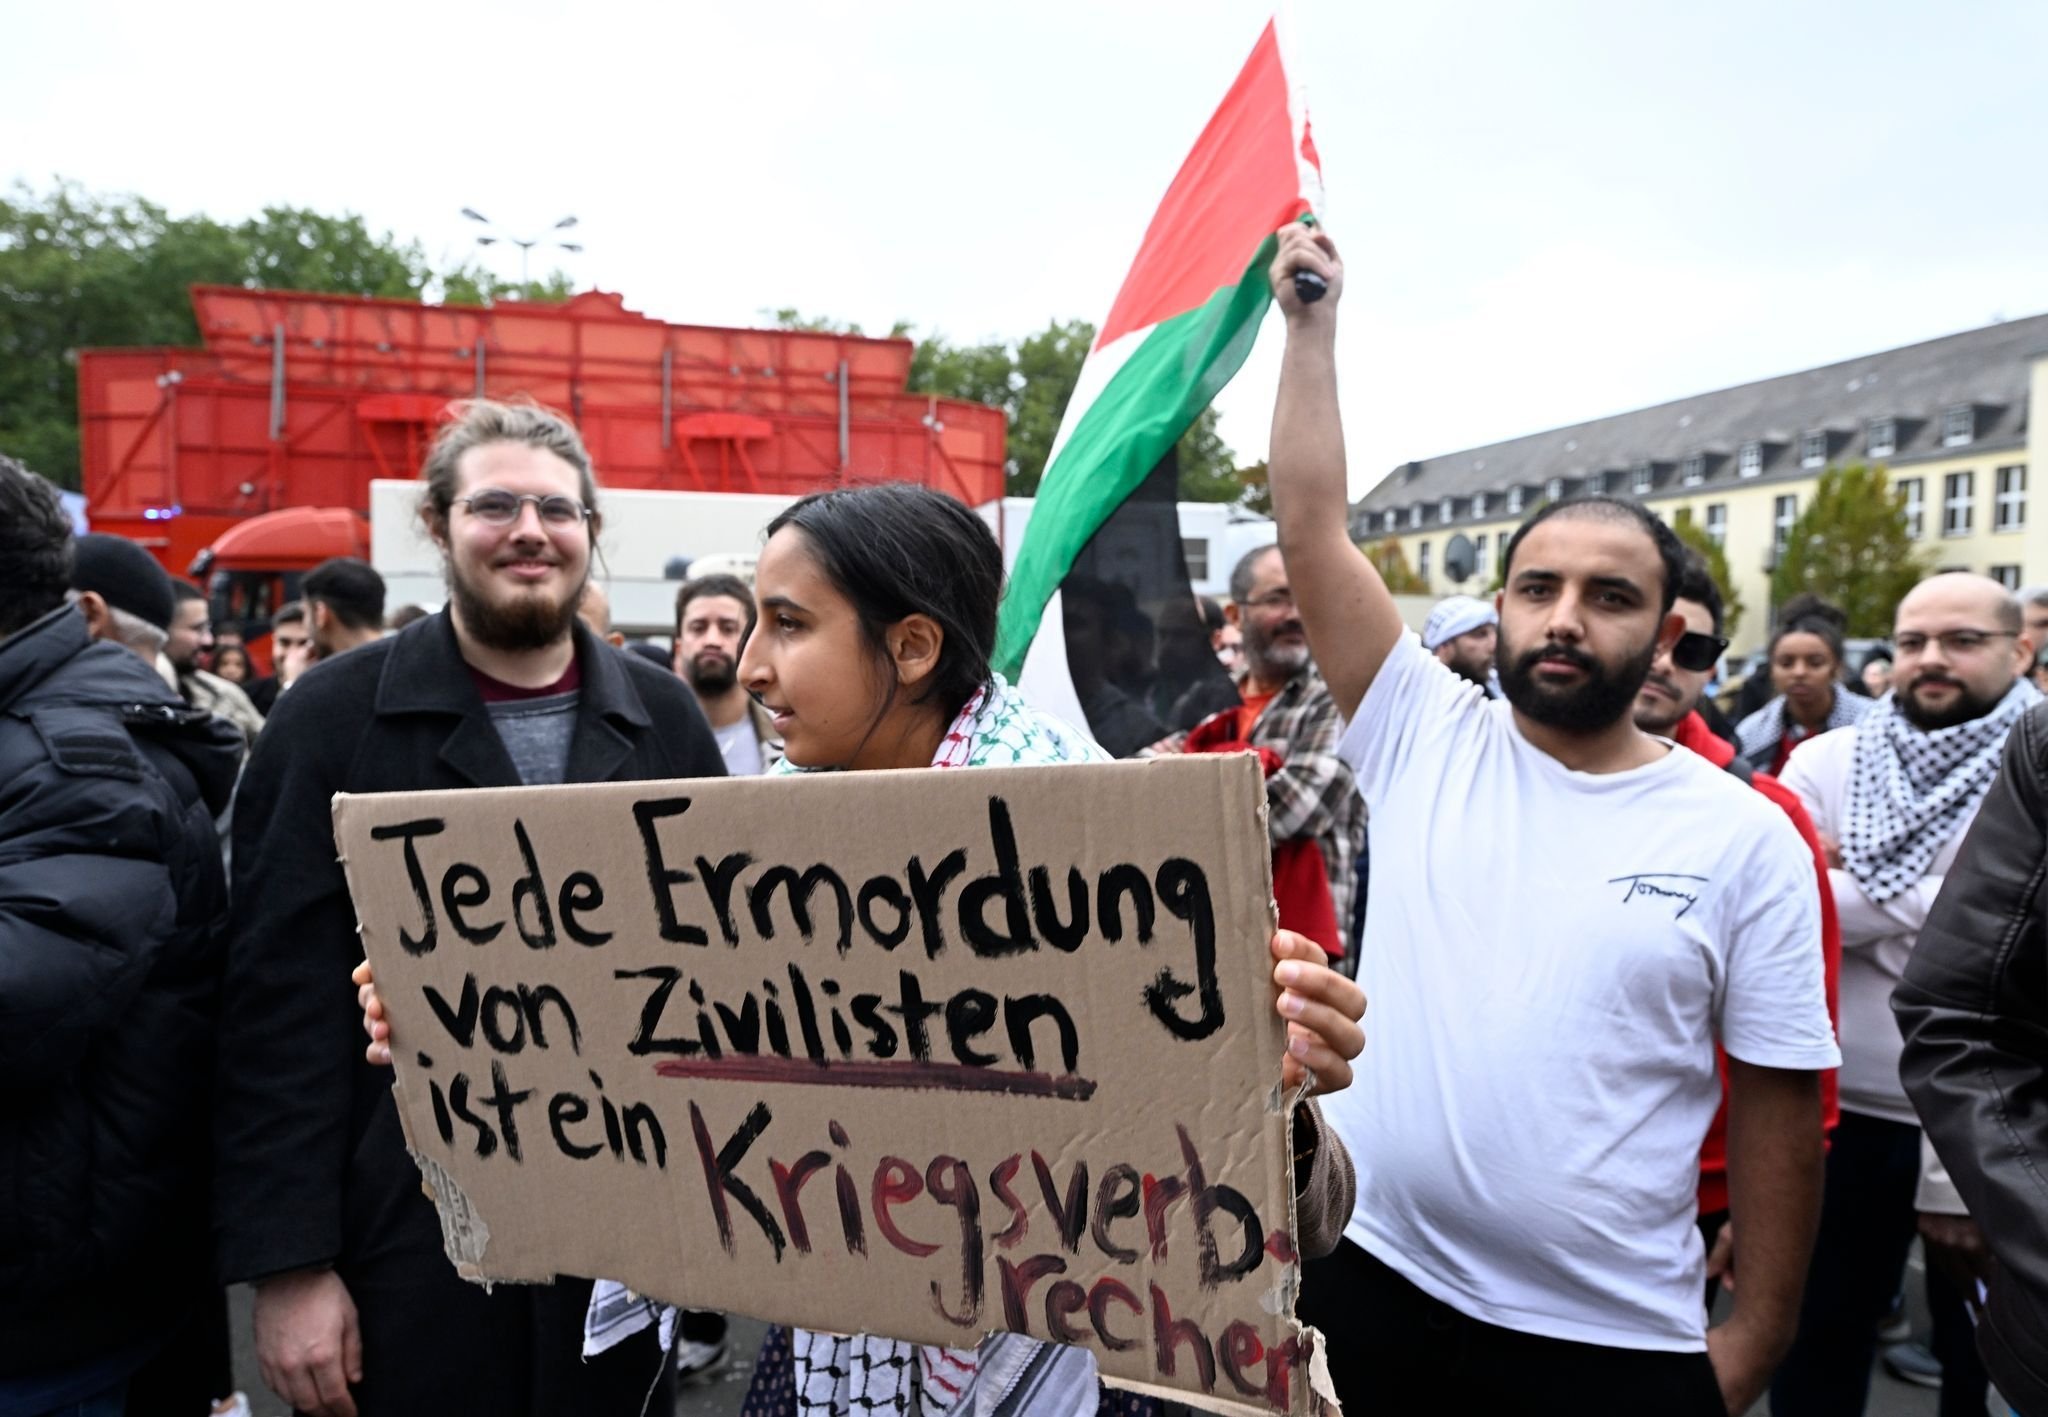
pixel 1391 519
pixel 1751 461
pixel 1717 523
pixel 1643 479
pixel 1695 471
pixel 1195 551
pixel 1478 504
pixel 1813 450
pixel 1553 490
pixel 1959 490
pixel 2012 498
pixel 1415 515
pixel 1422 559
pixel 1784 512
pixel 1958 425
pixel 1912 492
pixel 1479 553
pixel 1514 501
pixel 1884 437
pixel 2007 576
pixel 1445 510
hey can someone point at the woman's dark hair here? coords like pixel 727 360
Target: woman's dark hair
pixel 220 657
pixel 897 550
pixel 1808 614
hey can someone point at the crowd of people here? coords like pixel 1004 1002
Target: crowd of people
pixel 1677 1012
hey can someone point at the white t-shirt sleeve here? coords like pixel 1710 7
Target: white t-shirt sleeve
pixel 1774 1013
pixel 1414 700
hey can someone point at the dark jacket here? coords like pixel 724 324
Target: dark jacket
pixel 112 932
pixel 313 1166
pixel 310 1148
pixel 1974 1010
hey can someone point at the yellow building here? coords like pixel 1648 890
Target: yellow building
pixel 1947 418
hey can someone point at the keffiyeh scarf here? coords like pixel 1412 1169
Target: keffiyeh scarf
pixel 862 1374
pixel 1759 735
pixel 1909 789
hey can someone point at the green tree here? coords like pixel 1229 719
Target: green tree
pixel 1695 536
pixel 1850 546
pixel 1391 562
pixel 1032 381
pixel 470 284
pixel 1258 489
pixel 79 270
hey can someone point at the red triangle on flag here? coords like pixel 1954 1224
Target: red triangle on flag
pixel 1238 186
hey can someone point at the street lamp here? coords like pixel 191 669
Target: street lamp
pixel 525 244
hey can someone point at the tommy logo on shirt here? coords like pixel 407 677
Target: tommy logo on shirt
pixel 1662 885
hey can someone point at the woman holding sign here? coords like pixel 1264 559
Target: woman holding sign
pixel 877 616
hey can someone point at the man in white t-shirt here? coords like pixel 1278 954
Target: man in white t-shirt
pixel 1528 1115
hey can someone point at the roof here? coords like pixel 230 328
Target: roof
pixel 1987 368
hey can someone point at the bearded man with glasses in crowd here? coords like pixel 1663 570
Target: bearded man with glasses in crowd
pixel 1288 715
pixel 1893 797
pixel 318 1204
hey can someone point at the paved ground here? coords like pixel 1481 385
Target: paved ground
pixel 719 1396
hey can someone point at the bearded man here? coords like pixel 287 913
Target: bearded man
pixel 1894 796
pixel 1550 994
pixel 318 1204
pixel 1288 711
pixel 714 616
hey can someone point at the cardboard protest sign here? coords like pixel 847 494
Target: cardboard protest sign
pixel 920 1054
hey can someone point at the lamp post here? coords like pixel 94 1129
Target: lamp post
pixel 525 244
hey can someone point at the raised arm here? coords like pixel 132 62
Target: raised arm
pixel 1345 606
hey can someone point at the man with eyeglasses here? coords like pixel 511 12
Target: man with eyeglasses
pixel 317 1202
pixel 1287 711
pixel 1892 797
pixel 1669 706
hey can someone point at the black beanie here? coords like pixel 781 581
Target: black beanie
pixel 125 576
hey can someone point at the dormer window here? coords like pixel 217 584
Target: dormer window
pixel 1813 449
pixel 1478 504
pixel 1391 519
pixel 1883 437
pixel 1415 515
pixel 1514 501
pixel 1958 425
pixel 1751 460
pixel 1553 490
pixel 1445 510
pixel 1695 470
pixel 1642 479
pixel 1597 483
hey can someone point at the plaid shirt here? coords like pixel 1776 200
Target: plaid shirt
pixel 1313 794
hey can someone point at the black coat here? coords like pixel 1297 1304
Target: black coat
pixel 313 1165
pixel 112 930
pixel 1974 1010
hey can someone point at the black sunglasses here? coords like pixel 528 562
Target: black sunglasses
pixel 1697 653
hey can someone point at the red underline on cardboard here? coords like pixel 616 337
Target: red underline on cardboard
pixel 915 1076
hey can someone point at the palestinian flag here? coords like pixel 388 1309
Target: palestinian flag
pixel 1180 327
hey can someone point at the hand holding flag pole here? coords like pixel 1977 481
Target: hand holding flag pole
pixel 1308 286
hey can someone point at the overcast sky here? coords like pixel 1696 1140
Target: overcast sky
pixel 1548 212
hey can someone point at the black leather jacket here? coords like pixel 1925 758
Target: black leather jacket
pixel 1974 1010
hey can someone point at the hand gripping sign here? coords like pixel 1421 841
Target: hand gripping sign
pixel 910 1053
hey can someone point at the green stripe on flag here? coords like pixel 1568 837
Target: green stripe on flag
pixel 1160 391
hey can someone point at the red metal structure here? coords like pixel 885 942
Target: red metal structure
pixel 299 400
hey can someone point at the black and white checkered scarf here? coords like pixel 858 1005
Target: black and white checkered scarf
pixel 1910 789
